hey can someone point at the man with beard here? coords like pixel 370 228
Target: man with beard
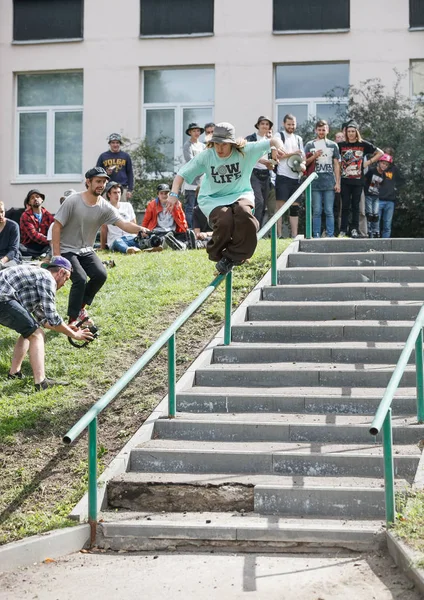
pixel 34 224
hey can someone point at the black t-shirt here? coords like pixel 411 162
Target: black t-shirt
pixel 373 182
pixel 199 220
pixel 352 160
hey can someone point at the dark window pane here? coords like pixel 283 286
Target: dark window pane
pixel 416 13
pixel 294 15
pixel 168 17
pixel 47 19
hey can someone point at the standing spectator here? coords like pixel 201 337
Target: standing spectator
pixel 34 224
pixel 339 137
pixel 226 197
pixel 27 303
pixel 74 231
pixel 118 165
pixel 393 180
pixel 325 155
pixel 113 236
pixel 260 174
pixel 353 152
pixel 287 181
pixel 192 148
pixel 374 177
pixel 9 241
pixel 209 127
pixel 201 228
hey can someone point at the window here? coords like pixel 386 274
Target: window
pixel 167 17
pixel 416 14
pixel 417 78
pixel 49 123
pixel 173 98
pixel 307 15
pixel 303 90
pixel 47 20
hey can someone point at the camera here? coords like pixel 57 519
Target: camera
pixel 151 241
pixel 94 330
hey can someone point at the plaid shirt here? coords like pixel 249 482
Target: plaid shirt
pixel 33 230
pixel 34 288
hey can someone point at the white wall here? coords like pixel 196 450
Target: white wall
pixel 243 50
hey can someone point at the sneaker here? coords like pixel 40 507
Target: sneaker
pixel 17 375
pixel 48 383
pixel 375 218
pixel 173 243
pixel 132 250
pixel 83 316
pixel 354 234
pixel 191 240
pixel 342 234
pixel 224 266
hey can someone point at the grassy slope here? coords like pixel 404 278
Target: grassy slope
pixel 41 479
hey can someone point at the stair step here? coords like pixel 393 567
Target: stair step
pixel 305 459
pixel 324 292
pixel 314 275
pixel 322 331
pixel 301 373
pixel 355 259
pixel 354 352
pixel 141 531
pixel 292 400
pixel 325 311
pixel 275 428
pixel 362 245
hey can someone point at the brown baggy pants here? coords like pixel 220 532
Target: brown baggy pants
pixel 234 232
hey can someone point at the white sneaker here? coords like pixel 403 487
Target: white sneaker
pixel 354 234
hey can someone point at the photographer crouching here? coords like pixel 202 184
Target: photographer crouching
pixel 28 302
pixel 74 232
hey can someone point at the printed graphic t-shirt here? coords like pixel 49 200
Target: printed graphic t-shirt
pixel 373 181
pixel 324 167
pixel 352 160
pixel 226 179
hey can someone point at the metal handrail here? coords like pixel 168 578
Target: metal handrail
pixel 383 417
pixel 89 419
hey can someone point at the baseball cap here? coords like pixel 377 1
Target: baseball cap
pixel 59 261
pixel 163 187
pixel 96 172
pixel 114 137
pixel 68 193
pixel 224 133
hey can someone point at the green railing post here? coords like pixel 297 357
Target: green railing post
pixel 228 307
pixel 420 377
pixel 308 210
pixel 92 478
pixel 274 254
pixel 389 474
pixel 171 377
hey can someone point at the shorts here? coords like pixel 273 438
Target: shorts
pixel 285 187
pixel 14 316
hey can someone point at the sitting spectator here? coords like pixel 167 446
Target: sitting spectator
pixel 393 180
pixel 9 241
pixel 374 177
pixel 167 223
pixel 115 238
pixel 201 227
pixel 35 223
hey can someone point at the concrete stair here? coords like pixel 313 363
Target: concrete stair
pixel 275 428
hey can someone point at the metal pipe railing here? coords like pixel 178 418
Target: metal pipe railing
pixel 89 419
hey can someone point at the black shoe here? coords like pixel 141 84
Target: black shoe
pixel 17 375
pixel 191 240
pixel 173 243
pixel 375 218
pixel 48 383
pixel 224 266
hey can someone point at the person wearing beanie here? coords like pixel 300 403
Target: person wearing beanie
pixel 28 304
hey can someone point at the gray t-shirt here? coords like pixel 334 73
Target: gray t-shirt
pixel 324 167
pixel 81 222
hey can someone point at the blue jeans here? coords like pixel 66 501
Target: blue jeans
pixel 386 210
pixel 123 243
pixel 189 204
pixel 322 198
pixel 372 207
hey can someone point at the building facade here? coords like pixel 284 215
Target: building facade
pixel 73 71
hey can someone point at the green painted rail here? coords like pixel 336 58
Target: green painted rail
pixel 383 417
pixel 89 419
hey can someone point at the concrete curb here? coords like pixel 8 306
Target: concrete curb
pixel 37 548
pixel 120 463
pixel 405 558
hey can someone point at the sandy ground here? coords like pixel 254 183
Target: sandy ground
pixel 341 576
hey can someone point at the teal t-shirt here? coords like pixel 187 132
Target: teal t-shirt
pixel 226 179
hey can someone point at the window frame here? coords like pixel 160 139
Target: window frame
pixel 144 36
pixel 312 31
pixel 49 40
pixel 50 111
